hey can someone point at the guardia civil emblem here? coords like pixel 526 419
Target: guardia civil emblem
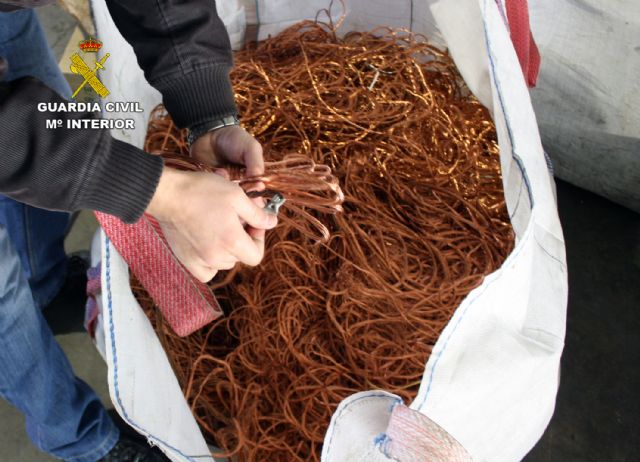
pixel 78 66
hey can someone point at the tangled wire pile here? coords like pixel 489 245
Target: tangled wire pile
pixel 360 307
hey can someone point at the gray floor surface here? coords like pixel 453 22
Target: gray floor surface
pixel 598 409
pixel 597 417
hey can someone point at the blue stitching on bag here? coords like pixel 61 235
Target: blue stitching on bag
pixel 514 156
pixel 520 165
pixel 115 356
pixel 372 395
pixel 382 442
pixel 511 138
pixel 515 209
pixel 502 13
pixel 560 262
pixel 471 302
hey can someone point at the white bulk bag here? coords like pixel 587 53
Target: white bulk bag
pixel 492 378
pixel 588 93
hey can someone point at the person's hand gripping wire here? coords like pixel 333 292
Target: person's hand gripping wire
pixel 209 221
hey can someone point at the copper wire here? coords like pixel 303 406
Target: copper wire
pixel 307 186
pixel 424 221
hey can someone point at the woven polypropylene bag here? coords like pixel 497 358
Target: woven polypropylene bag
pixel 491 380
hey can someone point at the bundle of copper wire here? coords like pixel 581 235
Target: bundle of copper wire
pixel 423 222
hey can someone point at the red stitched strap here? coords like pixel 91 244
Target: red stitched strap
pixel 526 49
pixel 413 437
pixel 185 303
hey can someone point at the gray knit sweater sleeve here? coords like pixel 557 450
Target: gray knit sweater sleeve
pixel 68 169
pixel 184 50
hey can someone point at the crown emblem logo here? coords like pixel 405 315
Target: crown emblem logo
pixel 89 75
pixel 91 45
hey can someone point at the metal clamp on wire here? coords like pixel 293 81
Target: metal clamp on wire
pixel 274 204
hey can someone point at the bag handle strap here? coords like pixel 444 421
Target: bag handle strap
pixel 525 46
pixel 413 437
pixel 185 303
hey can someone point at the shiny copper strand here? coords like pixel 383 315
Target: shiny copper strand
pixel 306 186
pixel 424 220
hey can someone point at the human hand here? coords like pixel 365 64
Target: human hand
pixel 232 144
pixel 202 214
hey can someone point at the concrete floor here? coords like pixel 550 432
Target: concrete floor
pixel 598 410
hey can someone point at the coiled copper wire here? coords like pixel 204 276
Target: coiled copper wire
pixel 305 186
pixel 424 221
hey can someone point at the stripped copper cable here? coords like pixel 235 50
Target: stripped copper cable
pixel 416 157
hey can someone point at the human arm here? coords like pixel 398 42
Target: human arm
pixel 184 50
pixel 65 169
pixel 69 170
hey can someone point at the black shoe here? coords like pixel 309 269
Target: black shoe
pixel 65 313
pixel 133 449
